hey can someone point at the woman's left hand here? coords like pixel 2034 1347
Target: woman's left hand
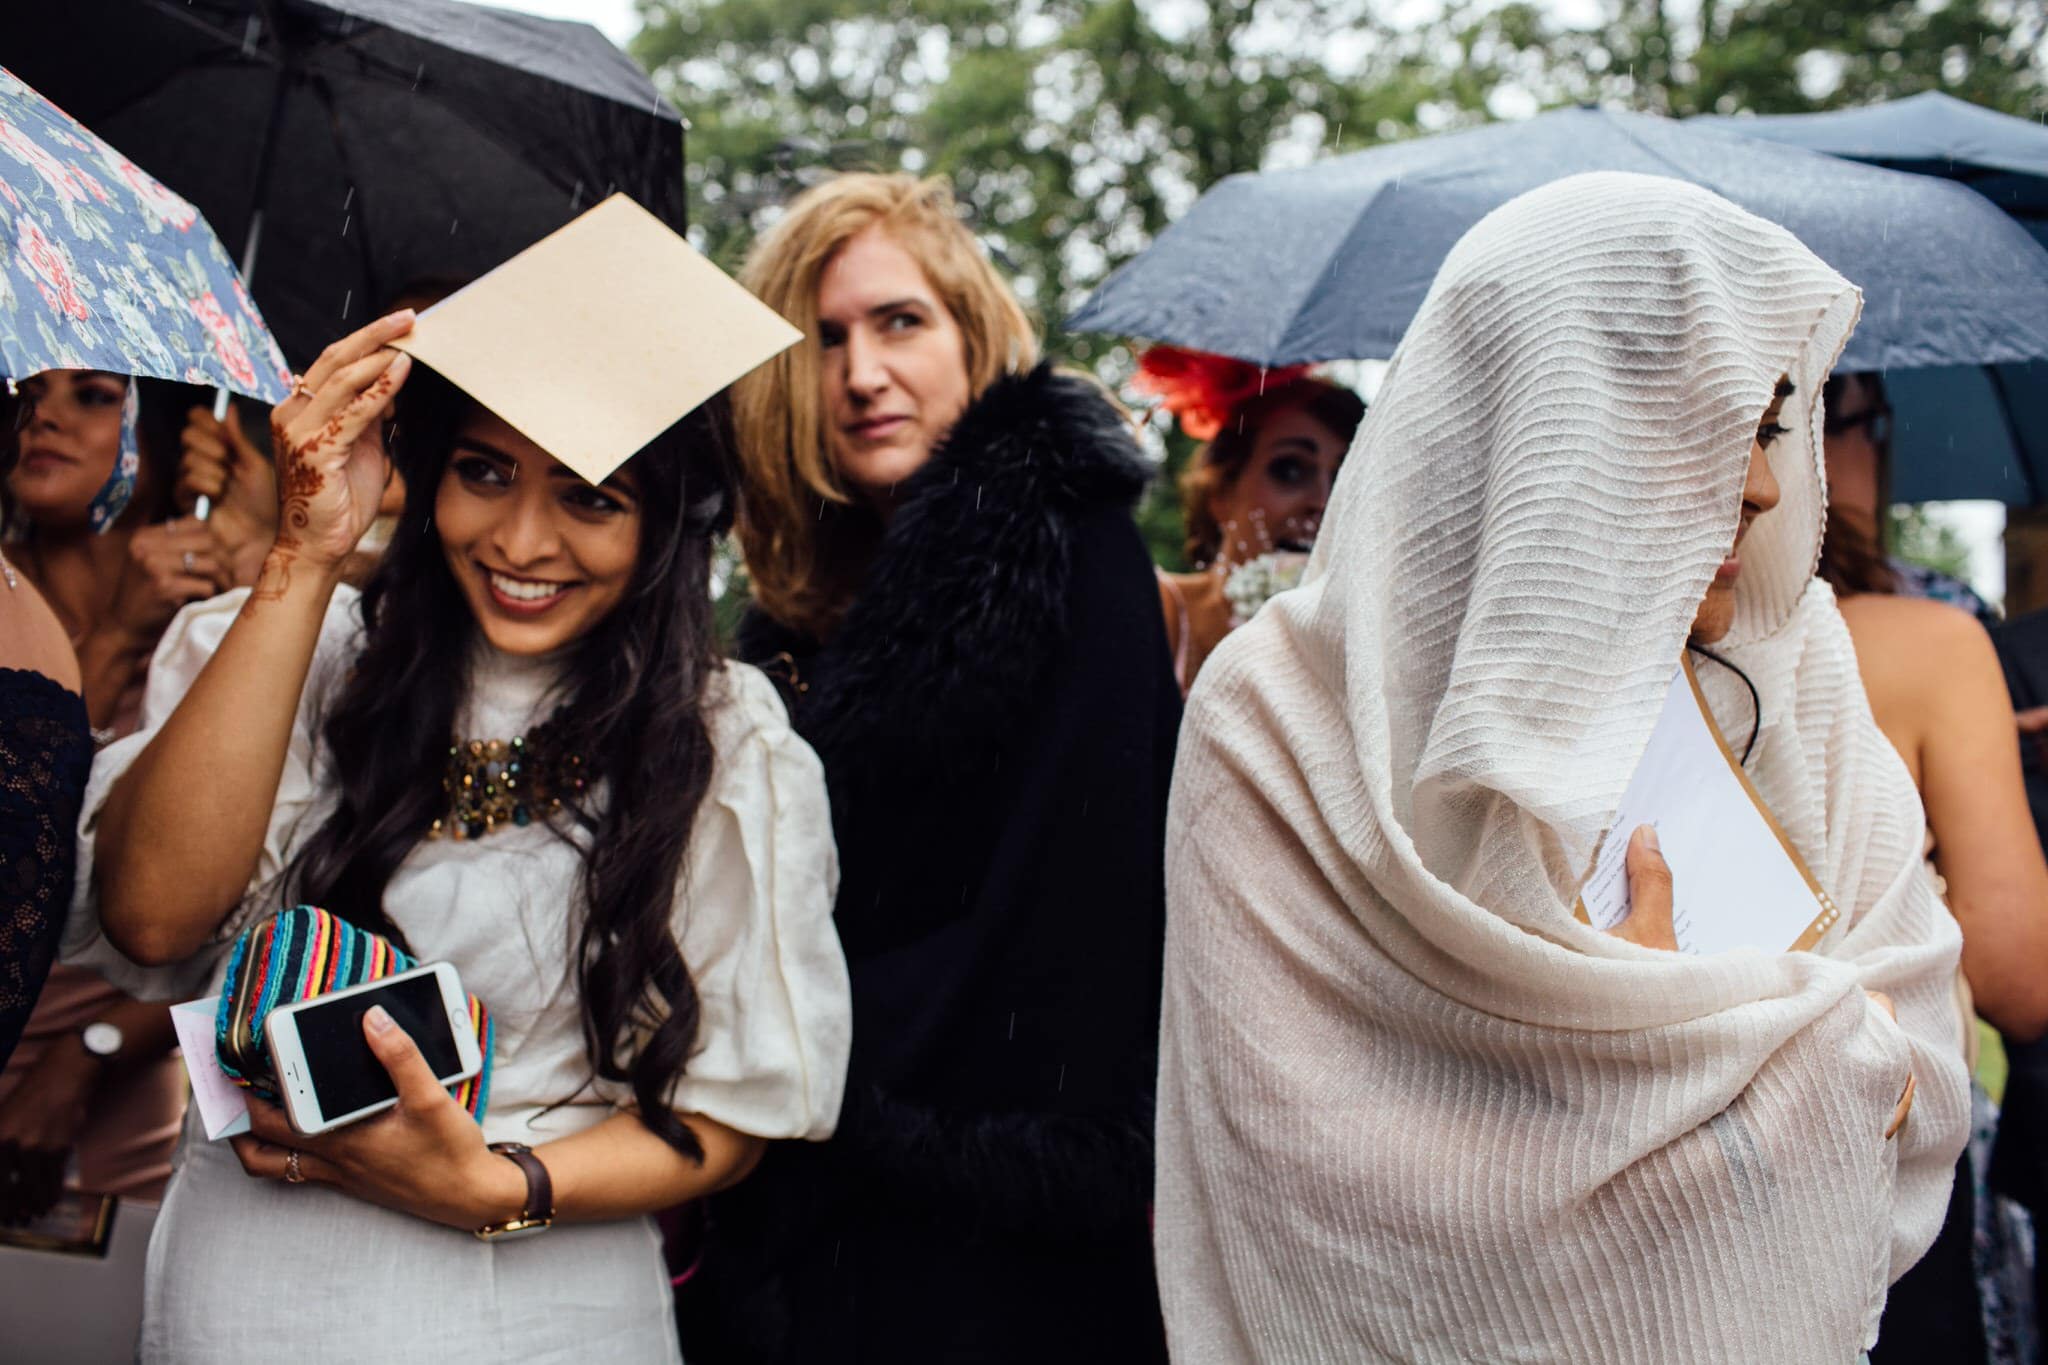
pixel 425 1156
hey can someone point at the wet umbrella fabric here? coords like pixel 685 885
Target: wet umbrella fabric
pixel 1968 431
pixel 2003 158
pixel 413 139
pixel 102 268
pixel 1331 261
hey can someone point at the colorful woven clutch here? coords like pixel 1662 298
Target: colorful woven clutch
pixel 295 955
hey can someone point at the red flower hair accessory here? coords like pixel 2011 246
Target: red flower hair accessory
pixel 1201 389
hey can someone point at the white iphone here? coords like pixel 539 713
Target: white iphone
pixel 324 1067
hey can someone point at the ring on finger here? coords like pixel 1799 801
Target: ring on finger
pixel 187 561
pixel 292 1174
pixel 302 388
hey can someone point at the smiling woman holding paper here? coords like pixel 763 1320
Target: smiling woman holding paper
pixel 1410 1106
pixel 516 752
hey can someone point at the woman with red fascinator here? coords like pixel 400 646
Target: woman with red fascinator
pixel 1252 498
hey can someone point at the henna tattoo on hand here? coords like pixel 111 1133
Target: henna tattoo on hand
pixel 275 579
pixel 300 479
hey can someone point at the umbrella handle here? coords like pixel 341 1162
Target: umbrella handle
pixel 202 506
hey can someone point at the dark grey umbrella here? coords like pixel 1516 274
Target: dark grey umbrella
pixel 384 141
pixel 1331 261
pixel 1964 431
pixel 2003 158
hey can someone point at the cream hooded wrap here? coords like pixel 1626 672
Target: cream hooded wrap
pixel 1409 1108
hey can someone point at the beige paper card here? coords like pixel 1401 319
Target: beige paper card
pixel 599 337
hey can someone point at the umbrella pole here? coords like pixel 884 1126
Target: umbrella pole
pixel 266 157
pixel 202 506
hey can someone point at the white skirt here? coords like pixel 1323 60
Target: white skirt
pixel 243 1269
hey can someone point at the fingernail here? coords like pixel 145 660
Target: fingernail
pixel 1650 838
pixel 406 313
pixel 380 1020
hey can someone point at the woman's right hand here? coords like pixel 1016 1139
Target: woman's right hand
pixel 217 460
pixel 331 465
pixel 168 565
pixel 1648 922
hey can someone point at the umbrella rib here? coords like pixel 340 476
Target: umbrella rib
pixel 368 64
pixel 184 15
pixel 325 94
pixel 1273 354
pixel 1678 172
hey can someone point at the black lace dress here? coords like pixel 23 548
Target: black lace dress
pixel 45 754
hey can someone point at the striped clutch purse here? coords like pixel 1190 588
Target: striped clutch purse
pixel 304 952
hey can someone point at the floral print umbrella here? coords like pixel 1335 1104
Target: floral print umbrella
pixel 102 268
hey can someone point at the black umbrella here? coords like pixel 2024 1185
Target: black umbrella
pixel 365 144
pixel 1960 432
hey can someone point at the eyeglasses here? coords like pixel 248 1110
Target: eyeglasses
pixel 1878 419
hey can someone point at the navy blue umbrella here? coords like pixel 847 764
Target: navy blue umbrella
pixel 1969 431
pixel 2003 158
pixel 1332 260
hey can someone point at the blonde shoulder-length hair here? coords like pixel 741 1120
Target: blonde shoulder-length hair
pixel 804 538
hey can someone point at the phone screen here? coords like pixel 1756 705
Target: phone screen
pixel 346 1075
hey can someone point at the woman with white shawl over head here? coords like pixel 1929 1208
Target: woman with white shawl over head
pixel 1410 1108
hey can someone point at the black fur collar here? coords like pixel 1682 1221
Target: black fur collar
pixel 964 607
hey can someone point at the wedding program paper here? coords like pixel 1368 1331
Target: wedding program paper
pixel 599 337
pixel 223 1106
pixel 1736 881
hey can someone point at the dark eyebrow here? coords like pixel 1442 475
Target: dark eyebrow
pixel 483 447
pixel 1295 443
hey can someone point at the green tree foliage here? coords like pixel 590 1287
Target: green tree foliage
pixel 1074 131
pixel 1766 56
pixel 1918 536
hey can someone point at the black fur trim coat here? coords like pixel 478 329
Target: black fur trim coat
pixel 996 715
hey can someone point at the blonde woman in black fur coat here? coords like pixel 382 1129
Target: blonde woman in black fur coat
pixel 949 584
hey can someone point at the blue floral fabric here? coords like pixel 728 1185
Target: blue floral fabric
pixel 102 268
pixel 112 500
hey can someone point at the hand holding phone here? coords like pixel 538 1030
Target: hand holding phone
pixel 325 1070
pixel 425 1156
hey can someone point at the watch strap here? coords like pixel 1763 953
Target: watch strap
pixel 540 1188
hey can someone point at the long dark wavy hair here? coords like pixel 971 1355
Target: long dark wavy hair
pixel 633 709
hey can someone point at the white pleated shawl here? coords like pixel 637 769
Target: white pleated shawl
pixel 1409 1108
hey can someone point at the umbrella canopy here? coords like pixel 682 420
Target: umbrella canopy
pixel 387 141
pixel 1331 261
pixel 2003 158
pixel 1967 432
pixel 102 268
pixel 1970 431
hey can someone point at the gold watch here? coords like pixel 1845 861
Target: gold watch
pixel 539 1214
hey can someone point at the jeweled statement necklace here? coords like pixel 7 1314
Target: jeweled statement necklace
pixel 492 783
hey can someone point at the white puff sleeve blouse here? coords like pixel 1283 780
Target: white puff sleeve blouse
pixel 753 910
